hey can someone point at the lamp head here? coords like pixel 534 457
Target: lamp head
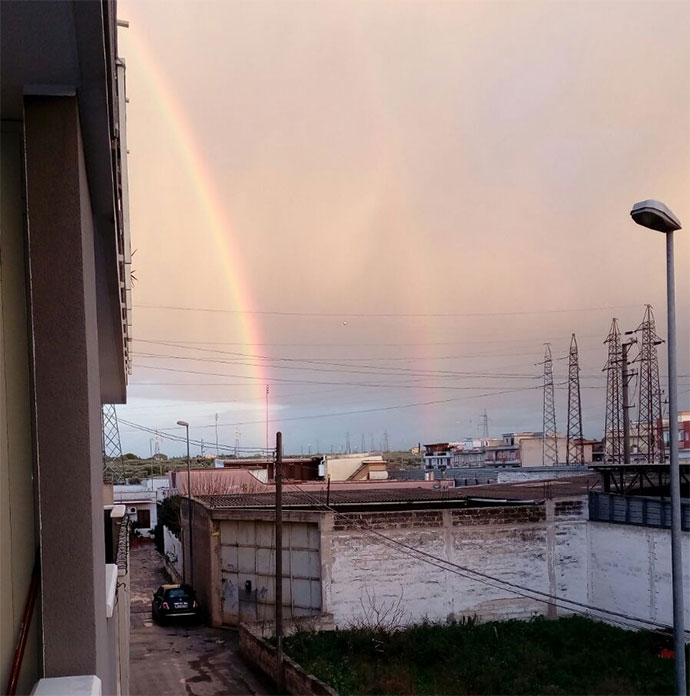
pixel 655 215
pixel 183 423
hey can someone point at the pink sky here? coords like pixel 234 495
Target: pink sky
pixel 394 158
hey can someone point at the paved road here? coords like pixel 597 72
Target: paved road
pixel 179 659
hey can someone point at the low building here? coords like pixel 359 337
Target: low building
pixel 355 467
pixel 493 552
pixel 140 501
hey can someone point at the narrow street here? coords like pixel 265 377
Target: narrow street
pixel 179 659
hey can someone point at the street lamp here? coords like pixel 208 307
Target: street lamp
pixel 656 216
pixel 185 425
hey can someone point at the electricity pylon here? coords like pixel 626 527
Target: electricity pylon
pixel 575 451
pixel 649 423
pixel 613 427
pixel 110 444
pixel 549 434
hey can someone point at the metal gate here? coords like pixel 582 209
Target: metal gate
pixel 247 562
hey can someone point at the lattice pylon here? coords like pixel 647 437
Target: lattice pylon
pixel 613 427
pixel 110 442
pixel 549 434
pixel 575 451
pixel 650 441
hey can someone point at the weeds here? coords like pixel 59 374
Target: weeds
pixel 572 655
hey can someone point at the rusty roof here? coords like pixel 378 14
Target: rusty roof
pixel 523 492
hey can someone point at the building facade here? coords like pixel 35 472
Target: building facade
pixel 64 335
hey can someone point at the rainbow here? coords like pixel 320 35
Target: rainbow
pixel 201 179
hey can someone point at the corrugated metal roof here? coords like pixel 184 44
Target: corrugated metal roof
pixel 507 493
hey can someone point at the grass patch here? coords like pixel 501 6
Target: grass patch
pixel 572 655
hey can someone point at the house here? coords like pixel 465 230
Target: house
pixel 525 449
pixel 140 501
pixel 64 344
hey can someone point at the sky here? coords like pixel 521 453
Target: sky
pixel 383 210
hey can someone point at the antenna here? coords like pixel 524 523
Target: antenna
pixel 110 444
pixel 549 434
pixel 575 453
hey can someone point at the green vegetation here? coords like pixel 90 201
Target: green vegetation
pixel 133 469
pixel 572 655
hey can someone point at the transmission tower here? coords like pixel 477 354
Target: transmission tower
pixel 110 444
pixel 386 445
pixel 237 442
pixel 575 452
pixel 613 451
pixel 485 425
pixel 649 422
pixel 348 448
pixel 549 434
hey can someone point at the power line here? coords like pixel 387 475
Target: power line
pixel 367 369
pixel 402 384
pixel 371 410
pixel 382 315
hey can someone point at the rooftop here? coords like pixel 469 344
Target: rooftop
pixel 404 494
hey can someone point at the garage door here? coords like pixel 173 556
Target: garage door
pixel 248 570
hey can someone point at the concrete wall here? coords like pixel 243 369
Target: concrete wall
pixel 542 547
pixel 531 451
pixel 18 540
pixel 341 468
pixel 630 570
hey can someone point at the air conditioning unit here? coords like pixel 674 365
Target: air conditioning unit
pixel 131 510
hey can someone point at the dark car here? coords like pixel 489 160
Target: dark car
pixel 173 601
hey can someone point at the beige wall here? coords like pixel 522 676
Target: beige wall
pixel 341 468
pixel 17 532
pixel 531 451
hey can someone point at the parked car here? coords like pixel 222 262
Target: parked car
pixel 174 601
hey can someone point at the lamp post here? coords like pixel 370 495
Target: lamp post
pixel 656 216
pixel 189 576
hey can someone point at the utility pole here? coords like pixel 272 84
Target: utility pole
pixel 217 452
pixel 280 681
pixel 267 450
